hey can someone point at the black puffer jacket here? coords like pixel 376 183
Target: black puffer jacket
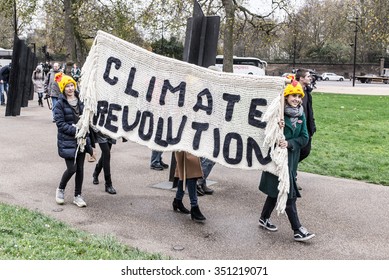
pixel 66 119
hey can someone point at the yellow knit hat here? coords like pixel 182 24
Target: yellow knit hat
pixel 63 80
pixel 294 88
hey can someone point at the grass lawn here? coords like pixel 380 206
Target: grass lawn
pixel 27 235
pixel 351 138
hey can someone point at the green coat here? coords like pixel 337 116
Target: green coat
pixel 297 138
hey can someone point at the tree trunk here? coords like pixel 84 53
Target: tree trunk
pixel 228 42
pixel 69 32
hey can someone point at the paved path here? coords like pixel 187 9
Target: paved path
pixel 350 218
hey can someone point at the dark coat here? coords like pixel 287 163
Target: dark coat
pixel 308 110
pixel 65 118
pixel 4 73
pixel 296 138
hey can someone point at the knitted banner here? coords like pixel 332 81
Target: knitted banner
pixel 170 105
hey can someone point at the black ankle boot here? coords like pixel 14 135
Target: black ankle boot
pixel 178 205
pixel 110 189
pixel 196 214
pixel 206 189
pixel 108 185
pixel 95 178
pixel 96 175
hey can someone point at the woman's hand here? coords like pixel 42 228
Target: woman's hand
pixel 283 144
pixel 281 123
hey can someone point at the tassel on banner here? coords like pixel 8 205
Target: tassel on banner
pixel 273 135
pixel 87 95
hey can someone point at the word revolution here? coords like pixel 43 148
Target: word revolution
pixel 151 127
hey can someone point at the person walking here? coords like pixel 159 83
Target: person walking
pixel 188 170
pixel 51 87
pixel 5 72
pixel 104 162
pixel 38 80
pixel 75 72
pixel 296 137
pixel 206 166
pixel 66 114
pixel 304 78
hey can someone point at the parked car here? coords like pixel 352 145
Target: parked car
pixel 332 77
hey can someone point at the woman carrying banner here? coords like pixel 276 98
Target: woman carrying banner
pixel 188 170
pixel 296 137
pixel 66 114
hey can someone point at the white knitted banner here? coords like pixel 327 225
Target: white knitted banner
pixel 170 105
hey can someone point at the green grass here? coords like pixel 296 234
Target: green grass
pixel 351 139
pixel 27 235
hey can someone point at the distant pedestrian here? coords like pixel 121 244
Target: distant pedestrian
pixel 46 68
pixel 38 80
pixel 51 87
pixel 67 113
pixel 75 72
pixel 5 72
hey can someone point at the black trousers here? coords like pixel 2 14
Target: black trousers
pixel 71 168
pixel 105 161
pixel 291 211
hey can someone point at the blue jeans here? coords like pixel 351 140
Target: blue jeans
pixel 191 185
pixel 54 100
pixel 2 93
pixel 206 166
pixel 156 157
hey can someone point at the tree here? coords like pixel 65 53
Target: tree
pixel 228 44
pixel 25 9
pixel 71 30
pixel 170 17
pixel 171 48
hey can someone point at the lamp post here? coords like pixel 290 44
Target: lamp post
pixel 355 48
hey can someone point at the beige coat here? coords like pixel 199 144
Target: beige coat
pixel 189 163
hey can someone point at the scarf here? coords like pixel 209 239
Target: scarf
pixel 293 113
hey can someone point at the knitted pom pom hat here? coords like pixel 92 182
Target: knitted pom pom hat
pixel 294 88
pixel 63 80
pixel 291 76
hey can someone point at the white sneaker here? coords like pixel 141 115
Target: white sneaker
pixel 79 201
pixel 60 196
